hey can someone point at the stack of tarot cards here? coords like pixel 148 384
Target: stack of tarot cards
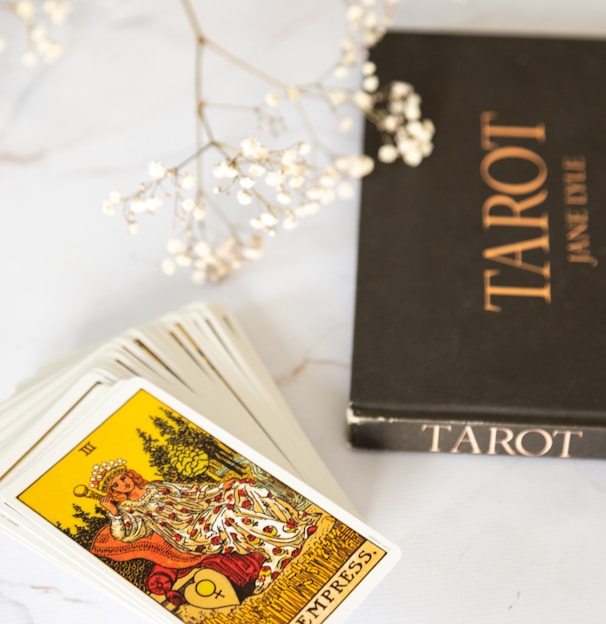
pixel 165 467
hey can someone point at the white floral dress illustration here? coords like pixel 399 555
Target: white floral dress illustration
pixel 241 518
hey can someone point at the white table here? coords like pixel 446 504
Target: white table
pixel 484 539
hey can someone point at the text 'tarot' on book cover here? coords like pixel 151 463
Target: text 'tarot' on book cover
pixel 481 290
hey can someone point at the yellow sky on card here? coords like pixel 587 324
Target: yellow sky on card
pixel 52 495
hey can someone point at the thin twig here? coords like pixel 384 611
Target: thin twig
pixel 199 125
pixel 310 129
pixel 244 65
pixel 193 20
pixel 196 154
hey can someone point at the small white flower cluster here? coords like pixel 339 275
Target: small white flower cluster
pixel 268 119
pixel 396 112
pixel 280 185
pixel 277 187
pixel 290 94
pixel 165 184
pixel 368 21
pixel 210 263
pixel 37 17
pixel 208 260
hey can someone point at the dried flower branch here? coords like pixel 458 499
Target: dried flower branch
pixel 38 18
pixel 273 187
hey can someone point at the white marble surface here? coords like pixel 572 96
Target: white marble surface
pixel 483 539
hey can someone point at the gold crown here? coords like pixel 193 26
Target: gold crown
pixel 103 473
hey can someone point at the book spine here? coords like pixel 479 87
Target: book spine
pixel 476 437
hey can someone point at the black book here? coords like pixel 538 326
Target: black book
pixel 481 290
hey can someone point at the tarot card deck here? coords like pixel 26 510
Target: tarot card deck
pixel 165 468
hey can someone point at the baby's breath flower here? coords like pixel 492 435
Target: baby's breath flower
pixel 307 209
pixel 252 148
pixel 360 166
pixel 245 197
pixel 388 153
pixel 272 99
pixel 390 123
pixel 108 207
pixel 297 182
pixel 369 68
pixel 168 266
pixel 202 249
pixel 268 219
pixel 345 190
pixel 224 170
pixel 341 71
pixel 363 101
pixel 327 196
pixel 283 198
pixel 256 223
pixel 346 124
pixel 137 205
pixel 288 157
pixel 293 93
pixel 290 223
pixel 38 20
pixel 156 170
pixel 175 246
pixel 400 90
pixel 256 170
pixel 24 9
pixel 413 157
pixel 199 213
pixel 56 10
pixel 253 250
pixel 337 97
pixel 368 20
pixel 396 112
pixel 274 178
pixel 183 260
pixel 29 58
pixel 370 84
pixel 246 182
pixel 188 181
pixel 188 204
pixel 304 148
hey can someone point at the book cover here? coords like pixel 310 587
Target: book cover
pixel 480 322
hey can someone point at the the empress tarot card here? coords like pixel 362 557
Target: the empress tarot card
pixel 202 525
